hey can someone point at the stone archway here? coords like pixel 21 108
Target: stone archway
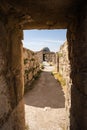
pixel 18 15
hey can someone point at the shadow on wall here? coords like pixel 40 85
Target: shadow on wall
pixel 46 92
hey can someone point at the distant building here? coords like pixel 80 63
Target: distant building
pixel 46 55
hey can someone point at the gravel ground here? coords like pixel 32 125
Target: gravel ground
pixel 45 103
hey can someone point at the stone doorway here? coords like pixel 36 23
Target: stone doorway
pixel 44 58
pixel 54 102
pixel 19 15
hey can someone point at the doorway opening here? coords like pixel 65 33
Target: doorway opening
pixel 44 57
pixel 45 98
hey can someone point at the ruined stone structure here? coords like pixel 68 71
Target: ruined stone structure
pixel 15 16
pixel 77 42
pixel 64 64
pixel 11 77
pixel 31 67
pixel 64 70
pixel 46 55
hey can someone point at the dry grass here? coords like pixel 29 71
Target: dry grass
pixel 50 63
pixel 60 79
pixel 26 127
pixel 41 66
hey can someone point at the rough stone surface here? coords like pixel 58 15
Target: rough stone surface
pixel 42 14
pixel 46 55
pixel 31 67
pixel 64 65
pixel 15 120
pixel 48 14
pixel 77 40
pixel 64 70
pixel 11 79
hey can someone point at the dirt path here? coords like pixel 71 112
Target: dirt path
pixel 44 104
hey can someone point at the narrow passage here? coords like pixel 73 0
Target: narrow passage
pixel 45 104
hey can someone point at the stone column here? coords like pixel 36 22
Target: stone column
pixel 77 39
pixel 11 79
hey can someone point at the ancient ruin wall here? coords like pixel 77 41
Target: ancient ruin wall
pixel 31 67
pixel 64 65
pixel 49 56
pixel 11 78
pixel 77 40
pixel 39 54
pixel 64 70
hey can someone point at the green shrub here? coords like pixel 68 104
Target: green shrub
pixel 32 59
pixel 26 71
pixel 25 61
pixel 37 75
pixel 60 54
pixel 51 64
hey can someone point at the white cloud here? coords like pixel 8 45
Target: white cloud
pixel 43 41
pixel 53 41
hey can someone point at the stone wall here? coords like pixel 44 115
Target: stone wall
pixel 31 67
pixel 64 70
pixel 49 56
pixel 11 77
pixel 77 41
pixel 16 16
pixel 64 65
pixel 40 56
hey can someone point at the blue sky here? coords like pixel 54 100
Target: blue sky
pixel 37 39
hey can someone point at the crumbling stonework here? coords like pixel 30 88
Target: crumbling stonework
pixel 18 15
pixel 50 57
pixel 31 67
pixel 11 78
pixel 64 70
pixel 46 55
pixel 77 41
pixel 64 64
